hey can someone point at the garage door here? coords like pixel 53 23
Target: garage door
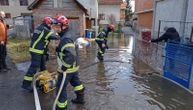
pixel 74 28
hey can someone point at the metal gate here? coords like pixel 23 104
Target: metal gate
pixel 22 26
pixel 178 63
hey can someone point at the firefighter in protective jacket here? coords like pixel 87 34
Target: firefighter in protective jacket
pixel 38 49
pixel 101 40
pixel 67 58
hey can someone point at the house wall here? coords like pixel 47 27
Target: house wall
pixel 144 13
pixel 142 5
pixel 145 20
pixel 108 10
pixel 68 8
pixel 171 10
pixel 15 9
pixel 90 6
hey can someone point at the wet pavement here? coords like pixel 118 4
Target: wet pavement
pixel 121 82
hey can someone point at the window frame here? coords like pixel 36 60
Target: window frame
pixel 23 2
pixel 4 2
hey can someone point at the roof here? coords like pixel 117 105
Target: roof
pixel 110 2
pixel 36 3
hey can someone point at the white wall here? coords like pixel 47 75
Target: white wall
pixel 189 18
pixel 174 10
pixel 168 10
pixel 15 9
pixel 109 10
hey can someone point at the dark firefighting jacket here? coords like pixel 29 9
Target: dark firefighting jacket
pixel 67 52
pixel 41 37
pixel 102 36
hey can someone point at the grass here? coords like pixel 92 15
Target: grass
pixel 18 49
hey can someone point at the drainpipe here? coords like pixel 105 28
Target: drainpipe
pixel 96 18
pixel 154 17
pixel 184 18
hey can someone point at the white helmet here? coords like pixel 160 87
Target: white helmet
pixel 2 14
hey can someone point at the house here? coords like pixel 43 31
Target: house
pixel 90 5
pixel 109 11
pixel 173 13
pixel 144 14
pixel 15 8
pixel 72 9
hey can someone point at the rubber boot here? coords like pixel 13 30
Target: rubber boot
pixel 100 58
pixel 79 98
pixel 27 86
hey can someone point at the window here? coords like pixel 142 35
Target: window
pixel 23 2
pixel 7 15
pixel 4 2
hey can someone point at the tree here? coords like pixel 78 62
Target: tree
pixel 128 11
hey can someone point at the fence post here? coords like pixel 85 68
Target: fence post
pixel 159 29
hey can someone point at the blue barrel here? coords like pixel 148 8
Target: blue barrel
pixel 88 34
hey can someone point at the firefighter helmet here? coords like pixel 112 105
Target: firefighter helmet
pixel 63 20
pixel 48 20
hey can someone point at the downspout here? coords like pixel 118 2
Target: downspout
pixel 154 18
pixel 184 18
pixel 96 18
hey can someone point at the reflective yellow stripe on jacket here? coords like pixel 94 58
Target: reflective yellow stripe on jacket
pixel 74 68
pixel 98 37
pixel 32 49
pixel 49 34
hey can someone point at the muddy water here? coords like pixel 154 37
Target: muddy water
pixel 122 82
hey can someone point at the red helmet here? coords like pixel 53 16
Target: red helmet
pixel 112 27
pixel 48 20
pixel 63 20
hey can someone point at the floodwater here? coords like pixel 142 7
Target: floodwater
pixel 121 82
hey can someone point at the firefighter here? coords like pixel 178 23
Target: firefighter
pixel 101 40
pixel 38 49
pixel 3 42
pixel 67 58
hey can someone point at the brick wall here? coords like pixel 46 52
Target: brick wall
pixel 144 12
pixel 141 5
pixel 145 20
pixel 40 13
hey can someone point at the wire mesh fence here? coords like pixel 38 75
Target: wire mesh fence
pixel 150 53
pixel 183 28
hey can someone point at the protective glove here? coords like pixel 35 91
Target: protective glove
pixel 103 45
